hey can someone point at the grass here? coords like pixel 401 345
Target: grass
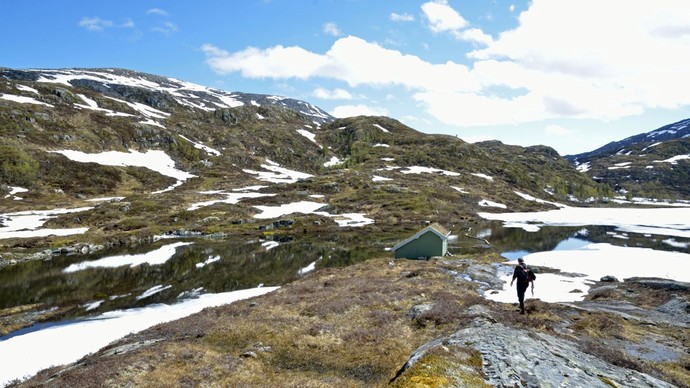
pixel 340 326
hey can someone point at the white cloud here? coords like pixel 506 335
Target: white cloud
pixel 350 59
pixel 166 28
pixel 336 94
pixel 357 110
pixel 443 18
pixel 474 35
pixel 332 29
pixel 552 65
pixel 157 11
pixel 277 62
pixel 95 23
pixel 98 24
pixel 405 17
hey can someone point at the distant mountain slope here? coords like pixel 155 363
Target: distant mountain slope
pixel 150 154
pixel 678 130
pixel 121 83
pixel 654 164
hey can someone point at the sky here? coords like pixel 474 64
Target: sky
pixel 570 74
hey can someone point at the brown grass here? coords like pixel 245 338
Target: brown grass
pixel 345 327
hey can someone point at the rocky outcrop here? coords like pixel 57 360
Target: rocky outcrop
pixel 513 357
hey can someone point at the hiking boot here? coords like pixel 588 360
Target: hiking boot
pixel 522 312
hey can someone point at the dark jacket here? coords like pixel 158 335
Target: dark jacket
pixel 520 273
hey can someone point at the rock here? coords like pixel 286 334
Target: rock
pixel 609 278
pixel 418 310
pixel 520 358
pixel 603 292
pixel 676 305
pixel 660 284
pixel 249 354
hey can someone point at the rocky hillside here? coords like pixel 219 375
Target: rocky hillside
pixel 97 138
pixel 655 164
pixel 130 157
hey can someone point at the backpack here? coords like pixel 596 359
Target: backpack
pixel 526 275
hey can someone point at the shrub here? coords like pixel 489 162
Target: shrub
pixel 17 167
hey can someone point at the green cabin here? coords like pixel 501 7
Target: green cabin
pixel 428 242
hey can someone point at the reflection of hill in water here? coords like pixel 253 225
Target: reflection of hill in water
pixel 550 238
pixel 242 264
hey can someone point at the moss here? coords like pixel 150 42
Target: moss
pixel 608 381
pixel 444 367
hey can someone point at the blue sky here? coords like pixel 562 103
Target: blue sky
pixel 571 74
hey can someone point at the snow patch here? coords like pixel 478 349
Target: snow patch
pixel 23 100
pixel 427 170
pixel 200 146
pixel 489 178
pixel 487 203
pixel 277 174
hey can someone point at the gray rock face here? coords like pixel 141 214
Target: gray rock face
pixel 519 358
pixel 660 284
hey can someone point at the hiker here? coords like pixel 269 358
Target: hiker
pixel 524 276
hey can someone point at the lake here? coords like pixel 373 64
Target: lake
pixel 104 296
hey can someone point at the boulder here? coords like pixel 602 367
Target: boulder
pixel 660 284
pixel 418 310
pixel 609 279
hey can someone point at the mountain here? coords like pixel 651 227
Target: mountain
pixel 102 158
pixel 147 154
pixel 655 164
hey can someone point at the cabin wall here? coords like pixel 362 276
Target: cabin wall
pixel 427 245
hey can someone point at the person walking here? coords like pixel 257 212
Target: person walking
pixel 524 277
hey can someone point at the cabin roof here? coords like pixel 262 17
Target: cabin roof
pixel 435 228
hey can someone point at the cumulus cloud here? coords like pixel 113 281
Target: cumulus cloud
pixel 358 110
pixel 350 59
pixel 336 94
pixel 550 65
pixel 405 17
pixel 443 18
pixel 332 29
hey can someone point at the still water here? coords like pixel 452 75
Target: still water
pixel 173 270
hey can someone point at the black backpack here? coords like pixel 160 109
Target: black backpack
pixel 526 275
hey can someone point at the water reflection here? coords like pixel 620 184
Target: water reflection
pixel 168 271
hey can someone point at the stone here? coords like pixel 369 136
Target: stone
pixel 603 292
pixel 418 310
pixel 522 358
pixel 677 305
pixel 249 354
pixel 609 278
pixel 660 284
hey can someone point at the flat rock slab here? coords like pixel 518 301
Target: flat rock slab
pixel 518 358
